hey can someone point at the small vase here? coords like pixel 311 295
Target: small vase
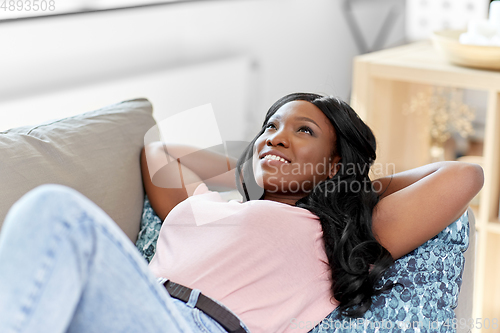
pixel 436 153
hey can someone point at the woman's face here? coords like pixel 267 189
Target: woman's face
pixel 295 152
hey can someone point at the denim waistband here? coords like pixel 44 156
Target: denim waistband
pixel 193 298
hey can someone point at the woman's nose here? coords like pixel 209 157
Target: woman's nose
pixel 278 139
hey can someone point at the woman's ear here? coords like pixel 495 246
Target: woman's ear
pixel 334 168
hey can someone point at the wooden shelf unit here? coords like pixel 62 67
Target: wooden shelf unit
pixel 494 227
pixel 383 84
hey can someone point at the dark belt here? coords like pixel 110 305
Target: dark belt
pixel 218 313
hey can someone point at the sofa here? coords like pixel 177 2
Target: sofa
pixel 98 154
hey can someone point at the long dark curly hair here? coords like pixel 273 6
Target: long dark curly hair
pixel 343 203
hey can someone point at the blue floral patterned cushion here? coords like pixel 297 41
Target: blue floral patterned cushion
pixel 149 231
pixel 431 276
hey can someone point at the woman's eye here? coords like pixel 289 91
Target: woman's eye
pixel 306 129
pixel 270 125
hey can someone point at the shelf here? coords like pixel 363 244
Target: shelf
pixel 494 226
pixel 384 84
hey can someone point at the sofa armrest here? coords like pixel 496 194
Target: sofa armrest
pixel 465 299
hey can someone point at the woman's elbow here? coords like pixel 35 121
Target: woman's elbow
pixel 475 177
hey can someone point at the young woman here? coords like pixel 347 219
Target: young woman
pixel 313 233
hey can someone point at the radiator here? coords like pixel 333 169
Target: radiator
pixel 223 82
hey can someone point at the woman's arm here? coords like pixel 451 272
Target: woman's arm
pixel 171 173
pixel 215 169
pixel 417 204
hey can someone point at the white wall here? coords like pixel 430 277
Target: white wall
pixel 296 45
pixel 424 17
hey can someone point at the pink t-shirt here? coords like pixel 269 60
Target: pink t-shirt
pixel 263 259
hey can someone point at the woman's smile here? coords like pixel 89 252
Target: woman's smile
pixel 271 156
pixel 273 160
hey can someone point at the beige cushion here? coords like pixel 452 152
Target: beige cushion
pixel 96 153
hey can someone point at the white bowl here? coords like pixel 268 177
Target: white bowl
pixel 477 56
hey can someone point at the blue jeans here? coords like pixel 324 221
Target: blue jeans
pixel 65 266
